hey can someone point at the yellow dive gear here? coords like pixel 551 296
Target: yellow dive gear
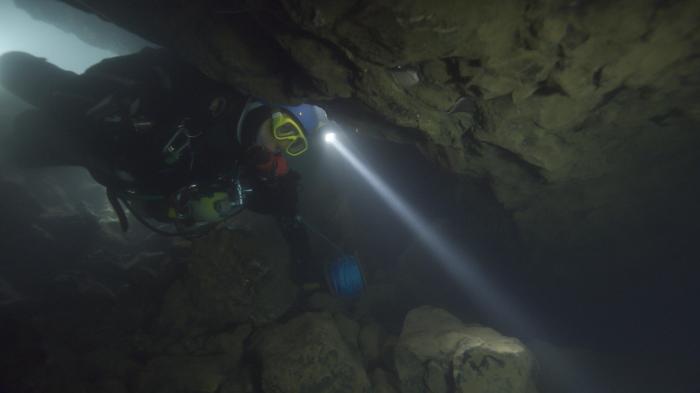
pixel 285 128
pixel 211 208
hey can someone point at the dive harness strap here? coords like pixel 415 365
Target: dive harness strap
pixel 118 209
pixel 116 203
pixel 116 200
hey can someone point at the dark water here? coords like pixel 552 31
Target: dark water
pixel 646 310
pixel 651 312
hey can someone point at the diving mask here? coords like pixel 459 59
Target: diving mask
pixel 285 128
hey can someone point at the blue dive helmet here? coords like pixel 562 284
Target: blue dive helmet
pixel 311 117
pixel 345 277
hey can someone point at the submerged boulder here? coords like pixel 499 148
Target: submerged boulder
pixel 437 353
pixel 233 276
pixel 309 354
pixel 197 364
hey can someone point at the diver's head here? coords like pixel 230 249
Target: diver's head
pixel 292 127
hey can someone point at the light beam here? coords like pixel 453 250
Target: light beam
pixel 465 271
pixel 458 265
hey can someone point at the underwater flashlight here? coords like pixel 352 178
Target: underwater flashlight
pixel 329 137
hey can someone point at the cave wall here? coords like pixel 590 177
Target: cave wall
pixel 578 114
pixel 84 26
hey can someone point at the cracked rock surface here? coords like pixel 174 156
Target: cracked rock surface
pixel 437 353
pixel 575 113
pixel 309 354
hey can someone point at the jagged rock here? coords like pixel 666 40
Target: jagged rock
pixel 308 354
pixel 197 364
pixel 88 28
pixel 574 116
pixel 232 277
pixel 439 354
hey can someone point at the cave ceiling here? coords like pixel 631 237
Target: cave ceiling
pixel 574 112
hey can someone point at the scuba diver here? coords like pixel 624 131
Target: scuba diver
pixel 180 151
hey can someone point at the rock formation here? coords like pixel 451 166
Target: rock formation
pixel 574 113
pixel 580 117
pixel 232 277
pixel 437 353
pixel 309 354
pixel 87 27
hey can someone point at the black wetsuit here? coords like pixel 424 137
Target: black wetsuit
pixel 118 118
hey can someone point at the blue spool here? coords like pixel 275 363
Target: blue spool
pixel 345 277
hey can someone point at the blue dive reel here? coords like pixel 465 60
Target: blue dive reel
pixel 344 274
pixel 345 277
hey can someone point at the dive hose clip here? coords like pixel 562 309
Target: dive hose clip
pixel 179 142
